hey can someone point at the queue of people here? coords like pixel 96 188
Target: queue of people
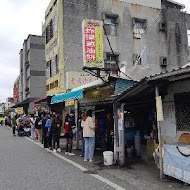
pixel 88 125
pixel 46 128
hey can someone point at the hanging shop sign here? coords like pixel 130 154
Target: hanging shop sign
pixel 159 109
pixel 93 43
pixel 76 79
pixel 20 111
pixel 120 121
pixel 69 103
pixel 97 95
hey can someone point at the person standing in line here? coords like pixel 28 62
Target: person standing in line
pixel 69 136
pixel 54 131
pixel 38 126
pixel 83 118
pixel 32 126
pixel 58 122
pixel 49 134
pixel 89 136
pixel 44 129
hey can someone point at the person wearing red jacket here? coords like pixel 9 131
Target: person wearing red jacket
pixel 68 136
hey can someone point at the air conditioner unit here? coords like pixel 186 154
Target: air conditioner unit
pixel 162 26
pixel 163 61
pixel 26 89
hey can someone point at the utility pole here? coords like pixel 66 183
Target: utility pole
pixel 159 118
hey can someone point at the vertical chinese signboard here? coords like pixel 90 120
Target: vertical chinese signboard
pixel 93 43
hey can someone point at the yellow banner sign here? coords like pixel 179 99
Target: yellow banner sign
pixel 20 111
pixel 98 95
pixel 93 43
pixel 69 103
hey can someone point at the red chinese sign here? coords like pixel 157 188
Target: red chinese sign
pixel 93 43
pixel 90 44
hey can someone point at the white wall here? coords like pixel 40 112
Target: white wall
pixel 177 87
pixel 148 3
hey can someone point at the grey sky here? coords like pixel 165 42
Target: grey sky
pixel 18 19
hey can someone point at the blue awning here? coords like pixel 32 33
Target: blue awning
pixel 122 85
pixel 78 94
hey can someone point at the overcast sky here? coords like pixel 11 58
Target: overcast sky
pixel 18 19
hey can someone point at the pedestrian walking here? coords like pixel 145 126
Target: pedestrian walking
pixel 13 123
pixel 69 136
pixel 32 126
pixel 88 125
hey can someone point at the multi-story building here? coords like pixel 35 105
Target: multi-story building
pixel 2 108
pixel 147 37
pixel 16 90
pixel 9 103
pixel 32 71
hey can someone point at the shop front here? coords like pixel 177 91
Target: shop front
pixel 153 117
pixel 99 101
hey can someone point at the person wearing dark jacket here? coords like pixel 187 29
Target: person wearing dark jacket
pixel 58 122
pixel 44 129
pixel 49 131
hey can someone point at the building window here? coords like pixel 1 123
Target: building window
pixel 137 59
pixel 110 24
pixel 188 36
pixel 111 62
pixel 49 31
pixel 139 27
pixel 54 24
pixel 56 64
pixel 47 87
pixel 56 83
pixel 182 108
pixel 48 70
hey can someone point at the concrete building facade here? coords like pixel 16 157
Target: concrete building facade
pixel 32 68
pixel 16 90
pixel 147 37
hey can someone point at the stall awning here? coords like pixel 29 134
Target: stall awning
pixel 78 94
pixel 24 103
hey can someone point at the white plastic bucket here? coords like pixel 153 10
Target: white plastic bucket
pixel 108 158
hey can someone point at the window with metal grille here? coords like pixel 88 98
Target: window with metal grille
pixel 111 62
pixel 139 26
pixel 55 23
pixel 49 31
pixel 48 69
pixel 182 104
pixel 110 24
pixel 188 35
pixel 54 65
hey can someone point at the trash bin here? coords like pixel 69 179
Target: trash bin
pixel 108 158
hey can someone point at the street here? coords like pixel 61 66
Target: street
pixel 24 165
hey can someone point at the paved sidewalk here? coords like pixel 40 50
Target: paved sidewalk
pixel 140 175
